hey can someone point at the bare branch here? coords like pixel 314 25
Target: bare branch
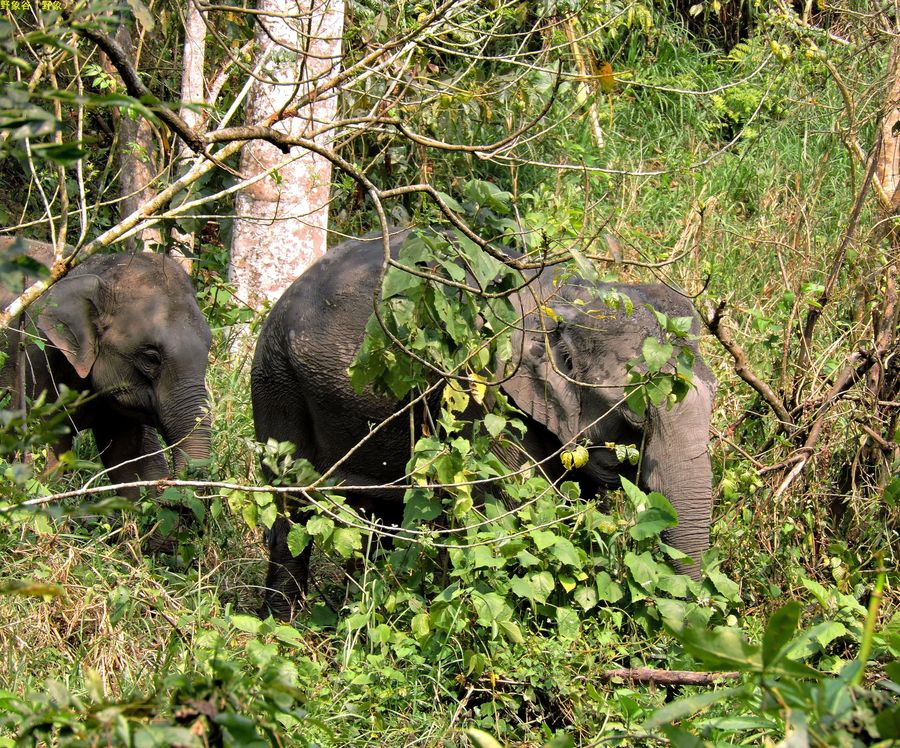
pixel 713 321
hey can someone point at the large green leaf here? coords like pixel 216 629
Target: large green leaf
pixel 397 282
pixel 656 353
pixel 644 570
pixel 687 706
pixel 781 627
pixel 536 587
pixel 651 522
pixel 565 551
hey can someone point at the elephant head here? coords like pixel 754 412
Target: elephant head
pixel 569 376
pixel 131 331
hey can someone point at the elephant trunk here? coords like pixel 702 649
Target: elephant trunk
pixel 186 426
pixel 676 464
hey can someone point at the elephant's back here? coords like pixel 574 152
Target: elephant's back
pixel 316 328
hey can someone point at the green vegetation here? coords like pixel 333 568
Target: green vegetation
pixel 509 614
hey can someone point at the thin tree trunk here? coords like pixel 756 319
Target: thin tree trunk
pixel 884 376
pixel 192 92
pixel 137 157
pixel 281 220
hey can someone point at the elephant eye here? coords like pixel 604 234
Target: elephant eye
pixel 151 356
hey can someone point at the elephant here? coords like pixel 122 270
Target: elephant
pixel 127 330
pixel 567 379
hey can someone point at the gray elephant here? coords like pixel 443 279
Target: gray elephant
pixel 127 329
pixel 567 378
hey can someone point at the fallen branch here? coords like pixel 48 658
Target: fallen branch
pixel 666 677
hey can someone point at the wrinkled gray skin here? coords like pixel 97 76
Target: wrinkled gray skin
pixel 127 328
pixel 301 394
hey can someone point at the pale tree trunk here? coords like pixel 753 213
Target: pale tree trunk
pixel 192 92
pixel 884 377
pixel 281 220
pixel 137 158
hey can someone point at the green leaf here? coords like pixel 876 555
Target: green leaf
pixel 586 597
pixel 637 497
pixel 297 539
pixel 816 638
pixel 679 738
pixel 888 722
pixel 511 631
pixel 481 739
pixel 142 14
pixel 566 553
pixel 494 424
pixel 490 607
pixel 723 649
pixel 420 625
pixel 64 154
pixel 397 282
pixel 320 527
pixel 684 707
pixel 725 587
pixel 543 538
pixel 567 623
pixel 526 559
pixel 676 585
pixel 536 587
pixel 644 570
pixel 658 389
pixel 484 267
pixel 250 513
pixel 346 540
pixel 656 354
pixel 421 506
pixel 781 627
pixel 242 729
pixel 288 635
pixel 247 624
pixel 636 399
pixel 680 326
pixel 450 201
pixel 607 590
pixel 481 556
pixel 651 522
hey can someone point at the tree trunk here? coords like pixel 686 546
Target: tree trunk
pixel 281 219
pixel 884 377
pixel 137 156
pixel 192 92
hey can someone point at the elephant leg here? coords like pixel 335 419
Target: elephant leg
pixel 287 579
pixel 130 452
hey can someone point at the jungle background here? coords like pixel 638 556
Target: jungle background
pixel 743 151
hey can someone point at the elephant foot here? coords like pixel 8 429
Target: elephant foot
pixel 280 607
pixel 156 543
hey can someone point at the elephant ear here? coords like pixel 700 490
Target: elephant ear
pixel 541 386
pixel 69 317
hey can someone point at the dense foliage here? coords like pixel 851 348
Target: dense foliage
pixel 732 150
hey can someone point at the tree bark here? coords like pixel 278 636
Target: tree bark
pixel 137 155
pixel 884 377
pixel 281 219
pixel 192 92
pixel 666 677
